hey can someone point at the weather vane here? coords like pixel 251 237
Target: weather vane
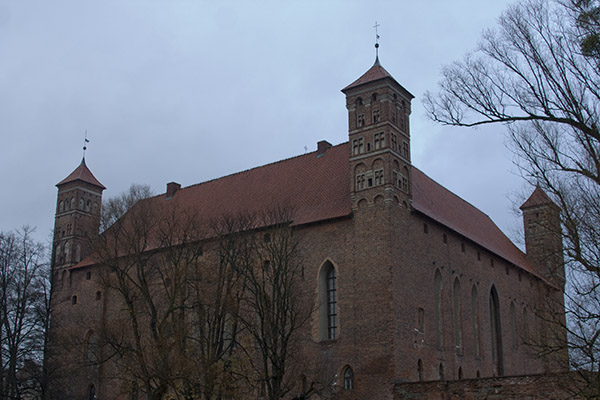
pixel 376 26
pixel 85 142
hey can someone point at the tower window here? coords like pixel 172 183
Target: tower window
pixel 375 116
pixel 360 120
pixel 81 204
pixel 88 275
pixel 379 140
pixel 61 206
pixel 405 149
pixel 360 182
pixel 394 142
pixel 74 299
pixel 379 177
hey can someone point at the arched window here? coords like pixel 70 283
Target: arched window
pixel 81 204
pixel 88 205
pixel 78 253
pixel 441 371
pixel 457 310
pixel 420 370
pixel 437 293
pixel 475 318
pixel 460 373
pixel 328 310
pixel 496 334
pixel 92 392
pixel 72 207
pixel 61 206
pixel 348 379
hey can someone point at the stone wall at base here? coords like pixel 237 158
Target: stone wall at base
pixel 547 386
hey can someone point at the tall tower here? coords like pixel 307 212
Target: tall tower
pixel 543 238
pixel 77 218
pixel 379 137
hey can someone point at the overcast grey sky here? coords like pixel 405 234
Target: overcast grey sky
pixel 188 91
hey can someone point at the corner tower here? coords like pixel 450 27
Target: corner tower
pixel 77 218
pixel 379 136
pixel 543 238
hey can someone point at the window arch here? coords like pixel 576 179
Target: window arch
pixel 61 206
pixel 328 309
pixel 475 318
pixel 457 311
pixel 72 206
pixel 81 203
pixel 496 332
pixel 348 379
pixel 420 370
pixel 437 290
pixel 92 392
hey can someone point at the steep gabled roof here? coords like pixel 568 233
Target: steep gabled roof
pixel 317 188
pixel 82 173
pixel 537 198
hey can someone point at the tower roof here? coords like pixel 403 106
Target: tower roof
pixel 82 173
pixel 375 73
pixel 537 198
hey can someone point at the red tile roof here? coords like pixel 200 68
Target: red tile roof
pixel 537 198
pixel 375 73
pixel 317 188
pixel 82 173
pixel 443 206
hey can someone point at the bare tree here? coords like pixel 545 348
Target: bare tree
pixel 24 299
pixel 538 74
pixel 272 311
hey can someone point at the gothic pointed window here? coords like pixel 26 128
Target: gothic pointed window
pixel 457 308
pixel 376 116
pixel 496 333
pixel 328 297
pixel 475 318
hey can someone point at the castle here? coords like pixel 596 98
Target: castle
pixel 407 281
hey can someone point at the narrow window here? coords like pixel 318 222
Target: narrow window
pixel 88 275
pixel 475 318
pixel 457 308
pixel 348 379
pixel 460 374
pixel 441 371
pixel 61 206
pixel 478 256
pixel 513 325
pixel 394 140
pixel 496 334
pixel 425 228
pixel 438 308
pixel 462 247
pixel 361 145
pixel 74 300
pixel 92 393
pixel 81 204
pixel 421 320
pixel 445 238
pixel 420 370
pixel 331 303
pixel 355 149
pixel 98 295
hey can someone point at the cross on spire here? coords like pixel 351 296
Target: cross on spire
pixel 376 26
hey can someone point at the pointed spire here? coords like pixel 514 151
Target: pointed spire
pixel 82 173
